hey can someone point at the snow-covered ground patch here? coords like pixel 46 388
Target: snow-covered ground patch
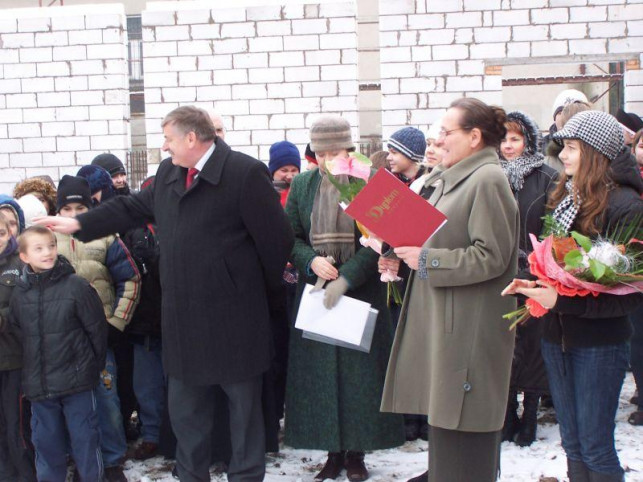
pixel 545 458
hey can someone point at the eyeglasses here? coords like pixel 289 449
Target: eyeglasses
pixel 444 133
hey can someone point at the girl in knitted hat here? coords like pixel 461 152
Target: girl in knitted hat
pixel 333 394
pixel 531 181
pixel 585 338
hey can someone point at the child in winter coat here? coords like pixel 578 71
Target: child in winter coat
pixel 63 331
pixel 16 456
pixel 108 266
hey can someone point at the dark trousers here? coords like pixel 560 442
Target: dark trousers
pixel 16 453
pixel 457 456
pixel 51 420
pixel 192 412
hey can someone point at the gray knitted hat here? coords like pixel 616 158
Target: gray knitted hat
pixel 597 129
pixel 330 133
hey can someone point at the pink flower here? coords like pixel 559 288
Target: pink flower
pixel 371 242
pixel 351 166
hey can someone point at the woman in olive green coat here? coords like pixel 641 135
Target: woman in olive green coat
pixel 452 353
pixel 332 396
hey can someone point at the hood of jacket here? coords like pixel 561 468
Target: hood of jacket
pixel 530 131
pixel 11 203
pixel 625 171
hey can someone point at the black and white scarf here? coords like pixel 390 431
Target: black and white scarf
pixel 566 212
pixel 518 169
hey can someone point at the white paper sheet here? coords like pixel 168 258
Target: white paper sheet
pixel 345 322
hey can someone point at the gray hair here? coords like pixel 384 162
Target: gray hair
pixel 191 119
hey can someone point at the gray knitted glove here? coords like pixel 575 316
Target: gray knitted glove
pixel 334 291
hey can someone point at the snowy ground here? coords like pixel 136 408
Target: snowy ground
pixel 543 461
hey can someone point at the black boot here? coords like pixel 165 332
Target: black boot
pixel 355 469
pixel 596 477
pixel 412 424
pixel 420 478
pixel 527 433
pixel 333 467
pixel 512 422
pixel 577 471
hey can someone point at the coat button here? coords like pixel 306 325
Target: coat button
pixel 435 263
pixel 466 387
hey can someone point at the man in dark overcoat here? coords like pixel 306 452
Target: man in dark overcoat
pixel 224 241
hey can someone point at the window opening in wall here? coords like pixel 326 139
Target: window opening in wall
pixel 533 88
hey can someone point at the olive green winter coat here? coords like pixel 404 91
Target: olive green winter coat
pixel 452 354
pixel 332 397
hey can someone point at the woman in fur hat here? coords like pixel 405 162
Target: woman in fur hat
pixel 531 181
pixel 332 394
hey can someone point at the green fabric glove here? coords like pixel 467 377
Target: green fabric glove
pixel 334 291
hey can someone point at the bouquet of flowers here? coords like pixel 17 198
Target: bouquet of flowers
pixel 575 265
pixel 358 169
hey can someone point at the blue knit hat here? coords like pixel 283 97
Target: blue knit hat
pixel 410 142
pixel 282 154
pixel 99 180
pixel 7 202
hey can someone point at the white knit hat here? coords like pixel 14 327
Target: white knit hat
pixel 567 97
pixel 31 208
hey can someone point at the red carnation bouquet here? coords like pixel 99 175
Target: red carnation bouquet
pixel 575 265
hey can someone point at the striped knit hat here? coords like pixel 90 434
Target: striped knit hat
pixel 410 142
pixel 330 133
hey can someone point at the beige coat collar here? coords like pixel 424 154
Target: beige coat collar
pixel 455 175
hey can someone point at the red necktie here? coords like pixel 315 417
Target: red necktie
pixel 192 172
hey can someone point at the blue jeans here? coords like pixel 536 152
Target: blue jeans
pixel 585 385
pixel 149 387
pixel 110 421
pixel 50 422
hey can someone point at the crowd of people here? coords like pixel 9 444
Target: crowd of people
pixel 176 302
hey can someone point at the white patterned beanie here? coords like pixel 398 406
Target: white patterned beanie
pixel 597 129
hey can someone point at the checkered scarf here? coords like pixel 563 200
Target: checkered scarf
pixel 518 169
pixel 566 212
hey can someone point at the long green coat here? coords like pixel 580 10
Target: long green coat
pixel 333 394
pixel 452 353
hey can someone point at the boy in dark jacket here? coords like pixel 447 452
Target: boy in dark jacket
pixel 63 331
pixel 16 456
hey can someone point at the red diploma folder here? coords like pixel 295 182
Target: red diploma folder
pixel 394 213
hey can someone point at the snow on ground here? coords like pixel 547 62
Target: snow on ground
pixel 545 458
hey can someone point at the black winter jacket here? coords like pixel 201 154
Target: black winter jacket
pixel 144 248
pixel 10 348
pixel 63 330
pixel 532 202
pixel 602 320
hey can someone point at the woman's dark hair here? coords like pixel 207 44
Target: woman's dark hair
pixel 490 120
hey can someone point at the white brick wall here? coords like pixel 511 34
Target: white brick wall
pixel 59 70
pixel 459 38
pixel 266 70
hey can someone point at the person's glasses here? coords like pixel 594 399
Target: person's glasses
pixel 444 133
